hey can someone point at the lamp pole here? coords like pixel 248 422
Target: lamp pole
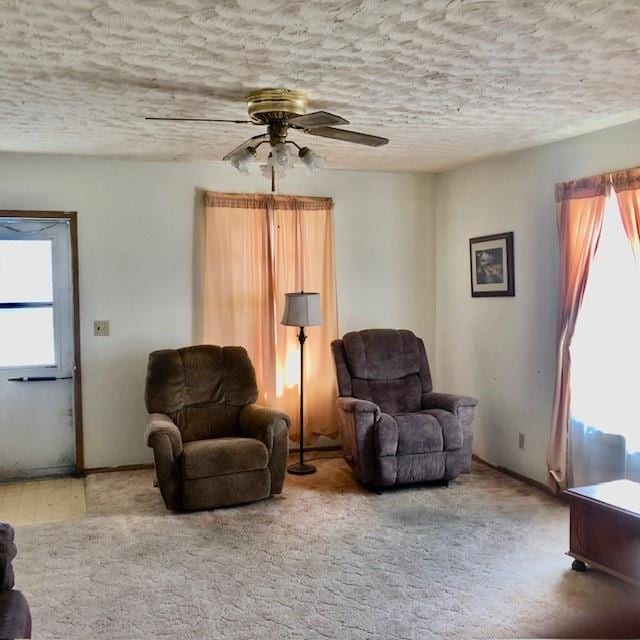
pixel 302 468
pixel 301 339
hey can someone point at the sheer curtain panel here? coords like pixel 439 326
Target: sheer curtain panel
pixel 256 249
pixel 580 212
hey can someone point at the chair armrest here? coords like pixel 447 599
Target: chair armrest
pixel 160 424
pixel 358 420
pixel 272 428
pixel 7 554
pixel 163 436
pixel 260 423
pixel 355 405
pixel 447 401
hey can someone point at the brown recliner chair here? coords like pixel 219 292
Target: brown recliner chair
pixel 394 429
pixel 212 446
pixel 15 617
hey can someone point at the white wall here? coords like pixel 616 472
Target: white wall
pixel 502 350
pixel 137 232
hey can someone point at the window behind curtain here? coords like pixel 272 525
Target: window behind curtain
pixel 256 249
pixel 605 354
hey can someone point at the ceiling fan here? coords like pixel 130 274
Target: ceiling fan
pixel 281 110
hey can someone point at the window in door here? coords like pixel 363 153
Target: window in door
pixel 27 337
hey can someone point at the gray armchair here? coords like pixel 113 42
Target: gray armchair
pixel 394 428
pixel 212 446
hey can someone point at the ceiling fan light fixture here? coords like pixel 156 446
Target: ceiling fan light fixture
pixel 265 170
pixel 282 110
pixel 273 164
pixel 282 156
pixel 242 159
pixel 312 161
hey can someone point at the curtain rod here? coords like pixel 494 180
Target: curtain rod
pixel 249 200
pixel 601 174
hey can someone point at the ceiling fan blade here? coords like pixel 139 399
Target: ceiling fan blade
pixel 316 119
pixel 348 136
pixel 198 120
pixel 251 142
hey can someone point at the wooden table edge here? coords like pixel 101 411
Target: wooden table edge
pixel 604 505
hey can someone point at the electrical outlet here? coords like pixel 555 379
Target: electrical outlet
pixel 100 327
pixel 521 440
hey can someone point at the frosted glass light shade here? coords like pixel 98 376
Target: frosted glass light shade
pixel 301 309
pixel 312 161
pixel 241 159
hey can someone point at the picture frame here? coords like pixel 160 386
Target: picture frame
pixel 492 266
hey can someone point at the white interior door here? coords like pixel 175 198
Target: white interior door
pixel 37 433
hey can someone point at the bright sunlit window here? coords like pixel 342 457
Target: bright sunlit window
pixel 26 304
pixel 605 351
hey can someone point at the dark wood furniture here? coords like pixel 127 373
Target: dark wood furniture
pixel 605 528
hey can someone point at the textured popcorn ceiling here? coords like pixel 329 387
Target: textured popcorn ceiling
pixel 446 80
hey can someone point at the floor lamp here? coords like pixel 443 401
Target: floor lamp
pixel 301 310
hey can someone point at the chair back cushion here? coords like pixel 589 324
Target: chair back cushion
pixel 202 388
pixel 385 366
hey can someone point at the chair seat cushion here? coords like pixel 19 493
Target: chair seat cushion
pixel 222 456
pixel 429 431
pixel 418 433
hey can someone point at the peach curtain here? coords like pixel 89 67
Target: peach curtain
pixel 627 187
pixel 256 249
pixel 580 213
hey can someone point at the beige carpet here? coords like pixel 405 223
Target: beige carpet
pixel 482 558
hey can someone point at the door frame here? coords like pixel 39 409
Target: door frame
pixel 72 218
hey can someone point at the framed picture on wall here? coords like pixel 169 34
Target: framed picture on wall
pixel 492 272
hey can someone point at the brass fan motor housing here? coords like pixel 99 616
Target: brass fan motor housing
pixel 266 106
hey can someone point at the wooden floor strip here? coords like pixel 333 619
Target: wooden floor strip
pixel 40 501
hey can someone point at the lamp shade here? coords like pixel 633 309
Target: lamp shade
pixel 301 309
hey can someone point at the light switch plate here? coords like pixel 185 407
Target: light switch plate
pixel 100 327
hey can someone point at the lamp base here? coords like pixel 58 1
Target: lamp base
pixel 301 469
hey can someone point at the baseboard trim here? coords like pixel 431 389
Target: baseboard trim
pixel 140 467
pixel 516 476
pixel 315 449
pixel 47 473
pixel 123 467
